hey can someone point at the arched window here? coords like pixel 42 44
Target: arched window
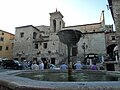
pixel 54 25
pixel 60 24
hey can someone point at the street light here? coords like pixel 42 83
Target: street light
pixel 84 47
pixel 19 56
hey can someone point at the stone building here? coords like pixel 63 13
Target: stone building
pixel 24 45
pixel 39 42
pixel 114 7
pixel 6 44
pixel 42 42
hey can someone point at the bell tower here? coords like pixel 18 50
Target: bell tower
pixel 56 21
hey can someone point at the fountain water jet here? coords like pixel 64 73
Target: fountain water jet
pixel 69 37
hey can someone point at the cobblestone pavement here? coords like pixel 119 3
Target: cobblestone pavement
pixel 3 70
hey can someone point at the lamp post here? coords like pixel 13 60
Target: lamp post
pixel 84 47
pixel 19 55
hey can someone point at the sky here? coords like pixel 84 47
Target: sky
pixel 16 13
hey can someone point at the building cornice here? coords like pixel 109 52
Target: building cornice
pixel 83 25
pixel 94 32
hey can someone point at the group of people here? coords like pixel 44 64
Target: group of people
pixel 35 65
pixel 41 65
pixel 78 66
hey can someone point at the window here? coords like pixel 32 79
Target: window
pixel 45 45
pixel 12 45
pixel 113 37
pixel 83 36
pixel 110 30
pixel 2 33
pixel 40 43
pixel 0 48
pixel 34 35
pixel 21 34
pixel 54 25
pixel 1 39
pixel 40 36
pixel 74 51
pixel 6 48
pixel 60 24
pixel 36 46
pixel 109 26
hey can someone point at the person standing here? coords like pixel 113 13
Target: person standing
pixel 25 65
pixel 34 66
pixel 41 65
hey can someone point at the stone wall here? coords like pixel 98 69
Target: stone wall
pixel 95 43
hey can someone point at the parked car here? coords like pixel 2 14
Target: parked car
pixel 13 64
pixel 1 59
pixel 52 66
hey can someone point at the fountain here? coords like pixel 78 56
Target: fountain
pixel 69 37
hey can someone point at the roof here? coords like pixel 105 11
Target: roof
pixel 57 12
pixel 7 32
pixel 27 26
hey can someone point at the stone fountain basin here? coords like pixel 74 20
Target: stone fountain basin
pixel 69 36
pixel 9 80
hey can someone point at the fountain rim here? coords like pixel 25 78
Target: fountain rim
pixel 18 82
pixel 69 30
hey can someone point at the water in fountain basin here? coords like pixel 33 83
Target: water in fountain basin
pixel 63 77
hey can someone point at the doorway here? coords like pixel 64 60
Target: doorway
pixel 52 60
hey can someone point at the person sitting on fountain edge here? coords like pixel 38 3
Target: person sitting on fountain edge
pixel 63 66
pixel 78 65
pixel 94 67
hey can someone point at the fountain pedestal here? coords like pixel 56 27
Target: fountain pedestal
pixel 69 37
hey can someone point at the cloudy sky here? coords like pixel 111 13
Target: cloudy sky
pixel 15 13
